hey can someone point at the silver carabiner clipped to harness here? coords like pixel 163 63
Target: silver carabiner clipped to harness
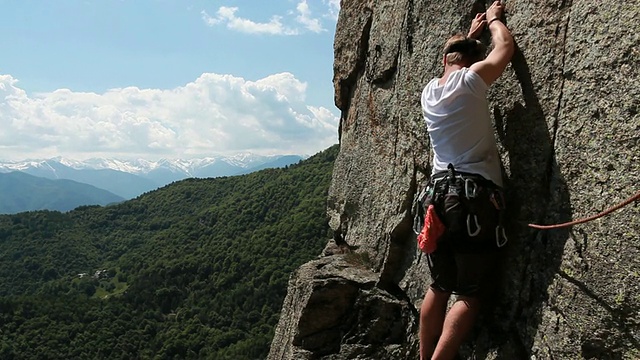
pixel 471 192
pixel 500 231
pixel 478 227
pixel 470 189
pixel 419 209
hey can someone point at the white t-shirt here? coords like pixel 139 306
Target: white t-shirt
pixel 459 125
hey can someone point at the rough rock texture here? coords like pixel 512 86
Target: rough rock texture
pixel 567 121
pixel 335 310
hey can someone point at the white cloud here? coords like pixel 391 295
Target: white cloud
pixel 302 16
pixel 213 114
pixel 209 20
pixel 227 15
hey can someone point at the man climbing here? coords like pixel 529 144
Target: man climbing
pixel 465 183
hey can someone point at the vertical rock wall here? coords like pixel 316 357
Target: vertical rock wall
pixel 566 115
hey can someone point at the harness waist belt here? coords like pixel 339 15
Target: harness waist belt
pixel 479 179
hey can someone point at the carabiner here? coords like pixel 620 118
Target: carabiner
pixel 418 223
pixel 470 189
pixel 504 236
pixel 478 227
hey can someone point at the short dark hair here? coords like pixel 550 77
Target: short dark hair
pixel 460 48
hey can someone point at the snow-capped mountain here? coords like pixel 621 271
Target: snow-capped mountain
pixel 130 178
pixel 142 166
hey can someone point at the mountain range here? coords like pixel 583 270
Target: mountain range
pixel 24 192
pixel 130 178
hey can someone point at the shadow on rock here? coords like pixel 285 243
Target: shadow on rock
pixel 536 192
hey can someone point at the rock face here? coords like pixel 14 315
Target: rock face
pixel 566 116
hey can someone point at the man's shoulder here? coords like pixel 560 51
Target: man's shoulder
pixel 463 76
pixel 432 83
pixel 474 81
pixel 429 89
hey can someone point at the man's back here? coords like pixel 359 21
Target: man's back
pixel 459 125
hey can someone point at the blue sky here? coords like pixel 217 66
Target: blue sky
pixel 166 78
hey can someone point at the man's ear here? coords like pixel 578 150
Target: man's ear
pixel 444 60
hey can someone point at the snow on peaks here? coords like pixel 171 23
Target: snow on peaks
pixel 141 166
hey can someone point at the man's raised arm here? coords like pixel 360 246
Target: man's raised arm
pixel 493 66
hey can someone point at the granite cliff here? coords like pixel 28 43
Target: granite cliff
pixel 566 116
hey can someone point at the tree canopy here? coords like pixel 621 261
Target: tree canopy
pixel 197 269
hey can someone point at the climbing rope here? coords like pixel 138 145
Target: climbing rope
pixel 584 220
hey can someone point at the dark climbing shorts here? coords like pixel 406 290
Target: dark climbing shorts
pixel 465 274
pixel 467 254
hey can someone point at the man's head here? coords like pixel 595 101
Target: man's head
pixel 463 51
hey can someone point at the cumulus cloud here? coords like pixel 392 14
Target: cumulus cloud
pixel 305 18
pixel 300 20
pixel 227 15
pixel 213 114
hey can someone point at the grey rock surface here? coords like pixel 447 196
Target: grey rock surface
pixel 566 116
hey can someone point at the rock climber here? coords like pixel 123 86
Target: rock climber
pixel 465 183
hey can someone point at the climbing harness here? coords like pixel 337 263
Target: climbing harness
pixel 590 218
pixel 460 200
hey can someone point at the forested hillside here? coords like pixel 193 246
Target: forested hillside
pixel 195 270
pixel 23 192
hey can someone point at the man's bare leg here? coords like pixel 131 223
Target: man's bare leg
pixel 457 325
pixel 432 315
